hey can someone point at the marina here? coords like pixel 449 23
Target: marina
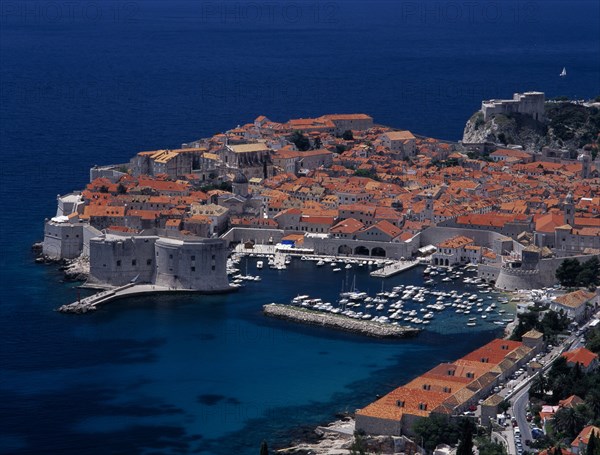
pixel 441 296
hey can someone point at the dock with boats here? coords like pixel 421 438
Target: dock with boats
pixel 407 305
pixel 394 269
pixel 337 321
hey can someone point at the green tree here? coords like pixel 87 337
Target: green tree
pixel 590 273
pixel 465 444
pixel 503 406
pixel 434 430
pixel 366 173
pixel 264 448
pixel 593 340
pixel 592 400
pixel 299 140
pixel 358 446
pixel 539 386
pixel 565 421
pixel 121 189
pixel 568 272
pixel 318 143
pixel 593 447
pixel 570 421
pixel 487 447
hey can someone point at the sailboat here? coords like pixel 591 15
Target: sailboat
pixel 563 73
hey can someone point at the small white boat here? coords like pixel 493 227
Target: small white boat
pixel 260 264
pixel 563 73
pixel 320 263
pixel 348 266
pixel 337 269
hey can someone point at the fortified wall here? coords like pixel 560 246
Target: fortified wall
pixel 532 272
pixel 64 240
pixel 177 263
pixel 528 103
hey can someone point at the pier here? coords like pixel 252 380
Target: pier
pixel 335 321
pixel 92 302
pixel 393 269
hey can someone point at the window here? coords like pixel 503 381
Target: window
pixel 170 256
pixel 148 261
pixel 400 403
pixel 193 258
pixel 118 263
pixel 213 267
pixel 214 257
pixel 133 262
pixel 193 269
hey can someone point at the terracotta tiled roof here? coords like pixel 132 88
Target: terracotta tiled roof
pixel 575 299
pixel 581 356
pixel 584 435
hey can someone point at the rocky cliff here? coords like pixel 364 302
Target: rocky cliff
pixel 568 125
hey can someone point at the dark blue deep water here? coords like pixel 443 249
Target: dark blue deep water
pixel 89 82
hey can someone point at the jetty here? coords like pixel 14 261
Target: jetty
pixel 393 269
pixel 340 322
pixel 92 302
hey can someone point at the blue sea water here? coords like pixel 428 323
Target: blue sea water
pixel 93 82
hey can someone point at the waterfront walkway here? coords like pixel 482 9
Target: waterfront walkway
pixel 393 269
pixel 92 302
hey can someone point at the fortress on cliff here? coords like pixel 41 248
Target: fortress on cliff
pixel 528 103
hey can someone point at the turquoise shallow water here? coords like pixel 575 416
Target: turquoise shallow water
pixel 206 374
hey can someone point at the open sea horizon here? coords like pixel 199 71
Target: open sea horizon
pixel 94 82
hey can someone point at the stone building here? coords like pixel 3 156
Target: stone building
pixel 528 103
pixel 182 263
pixel 345 122
pixel 254 160
pixel 402 144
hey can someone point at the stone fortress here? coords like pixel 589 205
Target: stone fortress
pixel 160 257
pixel 528 103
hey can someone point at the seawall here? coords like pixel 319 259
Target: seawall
pixel 339 322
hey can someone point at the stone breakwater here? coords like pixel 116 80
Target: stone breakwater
pixel 334 321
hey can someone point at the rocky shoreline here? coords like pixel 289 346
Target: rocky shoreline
pixel 77 269
pixel 339 322
pixel 338 438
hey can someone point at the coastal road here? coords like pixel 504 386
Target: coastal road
pixel 519 412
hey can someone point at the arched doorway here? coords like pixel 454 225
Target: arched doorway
pixel 344 249
pixel 378 252
pixel 361 251
pixel 435 261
